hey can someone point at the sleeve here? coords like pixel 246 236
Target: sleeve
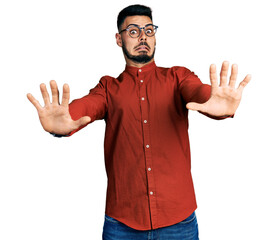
pixel 193 90
pixel 93 105
pixel 191 87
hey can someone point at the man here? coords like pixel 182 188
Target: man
pixel 150 191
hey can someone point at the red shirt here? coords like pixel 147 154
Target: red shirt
pixel 146 146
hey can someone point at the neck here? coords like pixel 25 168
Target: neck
pixel 135 64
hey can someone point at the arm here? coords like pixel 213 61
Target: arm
pixel 224 99
pixel 93 105
pixel 193 90
pixel 64 119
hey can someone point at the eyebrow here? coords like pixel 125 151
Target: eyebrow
pixel 139 25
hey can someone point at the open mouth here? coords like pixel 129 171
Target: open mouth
pixel 142 47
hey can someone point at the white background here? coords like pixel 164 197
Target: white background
pixel 54 188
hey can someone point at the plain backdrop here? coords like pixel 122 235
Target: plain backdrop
pixel 53 188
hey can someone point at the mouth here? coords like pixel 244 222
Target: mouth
pixel 142 48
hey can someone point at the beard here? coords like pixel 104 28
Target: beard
pixel 141 58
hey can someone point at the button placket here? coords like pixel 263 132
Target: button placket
pixel 146 139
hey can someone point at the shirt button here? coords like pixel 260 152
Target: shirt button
pixel 140 70
pixel 147 146
pixel 145 121
pixel 151 193
pixel 149 169
pixel 141 81
pixel 143 98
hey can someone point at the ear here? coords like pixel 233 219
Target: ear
pixel 119 39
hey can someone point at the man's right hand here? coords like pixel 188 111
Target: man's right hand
pixel 55 117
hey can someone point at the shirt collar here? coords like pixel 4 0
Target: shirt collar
pixel 135 70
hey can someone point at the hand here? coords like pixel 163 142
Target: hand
pixel 224 99
pixel 55 117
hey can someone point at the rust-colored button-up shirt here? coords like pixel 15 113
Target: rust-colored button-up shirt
pixel 146 146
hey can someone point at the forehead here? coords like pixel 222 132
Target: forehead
pixel 139 20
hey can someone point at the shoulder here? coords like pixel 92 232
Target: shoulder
pixel 180 70
pixel 176 71
pixel 102 84
pixel 106 80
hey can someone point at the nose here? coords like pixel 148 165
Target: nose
pixel 143 36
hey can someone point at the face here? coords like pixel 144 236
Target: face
pixel 136 50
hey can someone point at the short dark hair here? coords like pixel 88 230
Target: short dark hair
pixel 133 10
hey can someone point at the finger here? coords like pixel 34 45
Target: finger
pixel 213 75
pixel 195 106
pixel 233 76
pixel 66 95
pixel 55 92
pixel 34 101
pixel 244 82
pixel 82 121
pixel 45 94
pixel 224 73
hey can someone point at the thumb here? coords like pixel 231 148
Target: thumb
pixel 82 121
pixel 194 106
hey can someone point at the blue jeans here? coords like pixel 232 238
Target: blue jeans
pixel 184 230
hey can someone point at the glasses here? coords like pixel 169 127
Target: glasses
pixel 134 30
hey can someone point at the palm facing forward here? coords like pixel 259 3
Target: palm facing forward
pixel 225 98
pixel 55 117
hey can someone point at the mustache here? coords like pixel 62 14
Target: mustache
pixel 141 44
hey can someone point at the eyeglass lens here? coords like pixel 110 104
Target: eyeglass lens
pixel 134 31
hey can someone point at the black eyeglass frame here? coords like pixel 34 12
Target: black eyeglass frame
pixel 140 31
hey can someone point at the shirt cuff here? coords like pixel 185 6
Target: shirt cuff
pixel 219 117
pixel 58 135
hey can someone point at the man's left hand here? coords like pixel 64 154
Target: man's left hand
pixel 225 98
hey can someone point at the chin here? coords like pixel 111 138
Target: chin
pixel 144 53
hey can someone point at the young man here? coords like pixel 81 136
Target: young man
pixel 150 190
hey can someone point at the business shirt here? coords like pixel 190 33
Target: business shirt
pixel 146 145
